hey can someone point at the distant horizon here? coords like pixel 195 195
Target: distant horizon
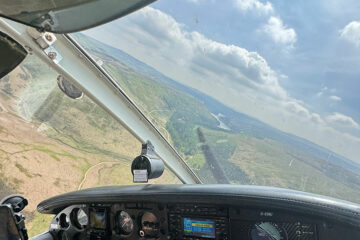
pixel 154 69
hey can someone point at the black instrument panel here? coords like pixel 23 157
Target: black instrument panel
pixel 266 224
pixel 181 221
pixel 134 213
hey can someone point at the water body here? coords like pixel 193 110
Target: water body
pixel 221 125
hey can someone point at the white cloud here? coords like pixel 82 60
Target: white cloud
pixel 300 111
pixel 283 76
pixel 335 98
pixel 236 64
pixel 351 33
pixel 201 1
pixel 316 118
pixel 279 32
pixel 198 55
pixel 254 5
pixel 342 120
pixel 297 108
pixel 275 28
pixel 325 91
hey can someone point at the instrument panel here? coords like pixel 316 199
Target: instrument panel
pixel 179 221
pixel 195 212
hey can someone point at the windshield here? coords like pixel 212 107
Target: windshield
pixel 248 91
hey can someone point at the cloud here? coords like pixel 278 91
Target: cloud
pixel 342 120
pixel 351 33
pixel 283 76
pixel 316 118
pixel 279 32
pixel 275 28
pixel 297 108
pixel 300 111
pixel 325 91
pixel 254 5
pixel 232 62
pixel 335 98
pixel 200 55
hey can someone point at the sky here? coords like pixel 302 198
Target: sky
pixel 292 64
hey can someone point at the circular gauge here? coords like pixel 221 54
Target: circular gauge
pixel 125 223
pixel 82 218
pixel 267 231
pixel 79 218
pixel 64 221
pixel 150 225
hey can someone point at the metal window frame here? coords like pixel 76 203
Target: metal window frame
pixel 79 68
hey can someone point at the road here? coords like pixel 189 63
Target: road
pixel 92 167
pixel 160 125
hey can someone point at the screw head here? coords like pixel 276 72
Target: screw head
pixel 52 55
pixel 48 37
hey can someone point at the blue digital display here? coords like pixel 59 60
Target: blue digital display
pixel 199 228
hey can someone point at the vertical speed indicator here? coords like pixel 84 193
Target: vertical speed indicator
pixel 267 231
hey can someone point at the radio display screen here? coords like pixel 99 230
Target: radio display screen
pixel 199 228
pixel 98 218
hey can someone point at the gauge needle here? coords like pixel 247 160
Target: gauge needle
pixel 126 220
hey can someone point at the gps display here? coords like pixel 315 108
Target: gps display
pixel 199 228
pixel 98 218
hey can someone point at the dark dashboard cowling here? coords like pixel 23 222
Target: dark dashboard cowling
pixel 217 211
